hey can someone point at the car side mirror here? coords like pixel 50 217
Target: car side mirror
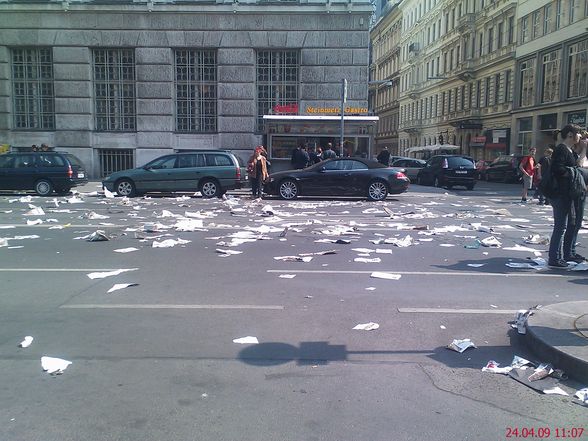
pixel 322 170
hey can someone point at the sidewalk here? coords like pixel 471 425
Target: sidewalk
pixel 558 334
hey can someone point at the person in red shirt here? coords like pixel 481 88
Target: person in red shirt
pixel 528 167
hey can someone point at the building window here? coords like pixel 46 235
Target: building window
pixel 578 70
pixel 496 88
pixel 32 85
pixel 551 72
pixel 500 35
pixel 478 93
pixel 113 160
pixel 537 24
pixel 511 27
pixel 557 14
pixel 525 29
pixel 525 133
pixel 277 81
pixel 196 102
pixel 527 81
pixel 481 49
pixel 547 19
pixel 487 93
pixel 490 40
pixel 575 11
pixel 114 89
pixel 507 81
pixel 462 98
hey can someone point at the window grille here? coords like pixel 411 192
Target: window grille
pixel 32 85
pixel 578 70
pixel 196 87
pixel 112 160
pixel 277 81
pixel 114 89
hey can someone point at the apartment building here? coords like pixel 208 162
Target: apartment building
pixel 384 76
pixel 551 70
pixel 120 82
pixel 457 76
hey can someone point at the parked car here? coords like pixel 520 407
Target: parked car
pixel 411 166
pixel 211 172
pixel 43 172
pixel 505 168
pixel 448 171
pixel 339 177
pixel 481 167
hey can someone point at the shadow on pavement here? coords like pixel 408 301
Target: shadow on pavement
pixel 495 265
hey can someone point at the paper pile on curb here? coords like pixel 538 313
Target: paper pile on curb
pixel 521 317
pixel 582 395
pixel 517 363
pixel 371 326
pixel 461 345
pixel 249 340
pixel 54 366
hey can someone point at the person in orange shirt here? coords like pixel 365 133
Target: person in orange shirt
pixel 528 167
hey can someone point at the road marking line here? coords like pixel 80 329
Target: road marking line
pixel 422 273
pixel 64 270
pixel 172 306
pixel 458 311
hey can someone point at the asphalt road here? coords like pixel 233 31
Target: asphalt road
pixel 157 361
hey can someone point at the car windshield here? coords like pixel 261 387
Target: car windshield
pixel 74 160
pixel 457 161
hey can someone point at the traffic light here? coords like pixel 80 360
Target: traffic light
pixel 441 139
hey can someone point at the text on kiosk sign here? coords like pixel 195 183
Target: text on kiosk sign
pixel 335 110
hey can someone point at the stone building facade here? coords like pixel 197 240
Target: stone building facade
pixel 121 82
pixel 551 70
pixel 384 76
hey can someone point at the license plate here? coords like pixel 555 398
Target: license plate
pixel 81 175
pixel 461 172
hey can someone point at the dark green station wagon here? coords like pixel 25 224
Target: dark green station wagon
pixel 211 172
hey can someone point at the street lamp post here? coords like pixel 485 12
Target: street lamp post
pixel 343 100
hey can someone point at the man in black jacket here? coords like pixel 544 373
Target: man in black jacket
pixel 384 157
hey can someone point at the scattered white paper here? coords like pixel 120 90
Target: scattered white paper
pixel 34 222
pixel 108 194
pixel 226 253
pixel 26 342
pixel 371 326
pixel 34 211
pixel 126 250
pixel 102 275
pixel 582 395
pixel 383 275
pixel 367 260
pixel 169 243
pixel 118 286
pixel 287 276
pixel 249 340
pixel 491 242
pixel 555 391
pixel 54 366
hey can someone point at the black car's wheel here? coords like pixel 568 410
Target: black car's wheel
pixel 209 188
pixel 288 189
pixel 377 191
pixel 43 187
pixel 125 187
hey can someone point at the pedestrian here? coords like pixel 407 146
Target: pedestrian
pixel 257 171
pixel 313 156
pixel 34 148
pixel 542 170
pixel 329 153
pixel 568 202
pixel 384 157
pixel 528 167
pixel 44 148
pixel 300 157
pixel 319 153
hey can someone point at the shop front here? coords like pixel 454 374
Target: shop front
pixel 284 133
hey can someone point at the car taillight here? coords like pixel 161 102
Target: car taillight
pixel 401 175
pixel 238 170
pixel 69 171
pixel 445 163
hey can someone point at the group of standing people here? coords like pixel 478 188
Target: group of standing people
pixel 43 148
pixel 303 156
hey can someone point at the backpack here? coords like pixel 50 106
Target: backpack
pixel 548 184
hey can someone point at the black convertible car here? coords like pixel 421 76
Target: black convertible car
pixel 339 177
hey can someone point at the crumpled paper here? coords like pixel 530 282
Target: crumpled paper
pixel 371 326
pixel 118 286
pixel 170 243
pixel 26 342
pixel 461 345
pixel 249 340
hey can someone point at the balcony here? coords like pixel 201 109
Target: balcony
pixel 466 70
pixel 467 22
pixel 411 126
pixel 465 119
pixel 504 53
